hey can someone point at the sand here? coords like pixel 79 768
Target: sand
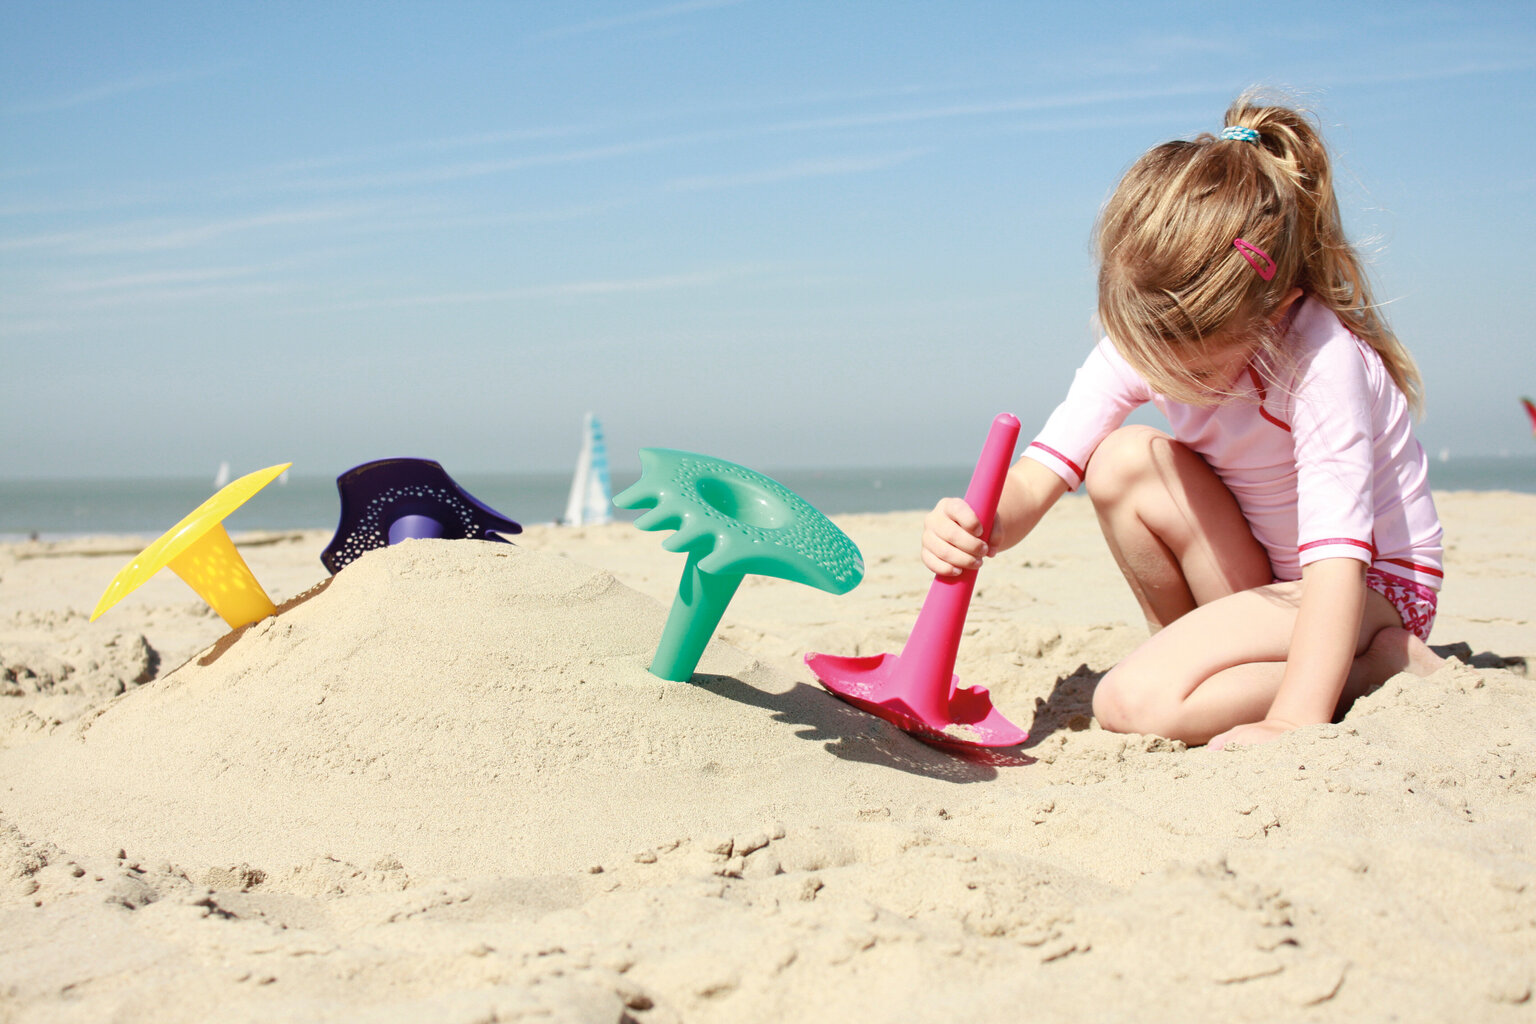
pixel 443 786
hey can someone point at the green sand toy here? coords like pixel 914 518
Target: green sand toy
pixel 732 521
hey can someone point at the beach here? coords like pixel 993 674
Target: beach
pixel 442 785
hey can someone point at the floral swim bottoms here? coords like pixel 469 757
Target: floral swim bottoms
pixel 1415 602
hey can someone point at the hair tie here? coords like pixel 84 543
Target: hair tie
pixel 1254 255
pixel 1237 133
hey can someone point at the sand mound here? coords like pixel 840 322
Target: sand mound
pixel 463 708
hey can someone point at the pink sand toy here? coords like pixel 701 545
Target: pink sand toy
pixel 918 691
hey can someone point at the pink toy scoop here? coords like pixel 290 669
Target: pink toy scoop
pixel 917 691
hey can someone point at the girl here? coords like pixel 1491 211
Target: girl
pixel 1283 543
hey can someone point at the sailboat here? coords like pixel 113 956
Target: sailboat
pixel 221 477
pixel 1530 410
pixel 591 499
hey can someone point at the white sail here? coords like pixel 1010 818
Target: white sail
pixel 578 497
pixel 591 498
pixel 222 476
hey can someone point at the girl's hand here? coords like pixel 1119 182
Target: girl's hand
pixel 952 541
pixel 1252 734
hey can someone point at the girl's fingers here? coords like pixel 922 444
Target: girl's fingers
pixel 951 544
pixel 948 561
pixel 959 513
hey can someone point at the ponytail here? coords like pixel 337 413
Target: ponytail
pixel 1328 268
pixel 1171 277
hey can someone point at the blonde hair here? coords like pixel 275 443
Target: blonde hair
pixel 1171 283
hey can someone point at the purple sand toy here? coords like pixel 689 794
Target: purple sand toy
pixel 391 500
pixel 917 691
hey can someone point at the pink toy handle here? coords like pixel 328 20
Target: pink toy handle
pixel 992 469
pixel 935 638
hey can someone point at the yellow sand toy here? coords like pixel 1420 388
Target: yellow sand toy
pixel 198 549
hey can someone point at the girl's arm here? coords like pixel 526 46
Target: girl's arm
pixel 952 541
pixel 1321 653
pixel 1103 392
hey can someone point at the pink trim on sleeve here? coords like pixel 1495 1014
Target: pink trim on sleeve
pixel 1327 541
pixel 1336 547
pixel 1053 453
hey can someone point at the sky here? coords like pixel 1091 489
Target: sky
pixel 785 233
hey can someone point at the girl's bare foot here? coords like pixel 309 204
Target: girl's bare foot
pixel 1391 651
pixel 1397 650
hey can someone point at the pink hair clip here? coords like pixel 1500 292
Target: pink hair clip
pixel 1257 258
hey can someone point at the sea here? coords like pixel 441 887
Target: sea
pixel 60 509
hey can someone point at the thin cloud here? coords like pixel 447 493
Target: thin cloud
pixel 1422 73
pixel 652 14
pixel 20 173
pixel 710 106
pixel 486 168
pixel 159 237
pixel 10 328
pixel 988 108
pixel 795 171
pixel 159 299
pixel 110 90
pixel 152 301
pixel 487 138
pixel 612 286
pixel 156 279
pixel 478 219
pixel 666 282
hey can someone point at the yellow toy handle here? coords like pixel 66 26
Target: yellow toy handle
pixel 214 569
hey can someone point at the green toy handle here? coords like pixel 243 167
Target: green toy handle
pixel 697 609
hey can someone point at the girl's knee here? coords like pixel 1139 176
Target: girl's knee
pixel 1108 705
pixel 1121 459
pixel 1121 706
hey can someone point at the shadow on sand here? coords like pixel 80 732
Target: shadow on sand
pixel 852 735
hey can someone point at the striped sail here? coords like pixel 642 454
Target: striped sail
pixel 591 499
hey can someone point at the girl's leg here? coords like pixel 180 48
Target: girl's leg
pixel 1175 530
pixel 1221 665
pixel 1182 543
